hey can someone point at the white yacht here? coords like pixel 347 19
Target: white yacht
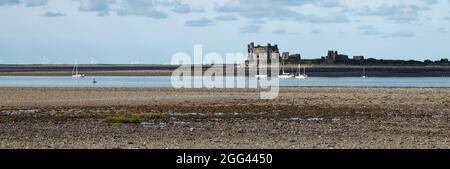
pixel 364 76
pixel 284 75
pixel 301 76
pixel 75 73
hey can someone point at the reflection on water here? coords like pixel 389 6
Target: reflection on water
pixel 165 81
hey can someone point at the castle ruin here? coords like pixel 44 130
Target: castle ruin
pixel 258 55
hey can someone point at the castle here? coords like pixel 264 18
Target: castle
pixel 258 55
pixel 262 54
pixel 334 56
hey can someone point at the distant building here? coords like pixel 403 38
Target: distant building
pixel 295 58
pixel 358 58
pixel 334 56
pixel 262 54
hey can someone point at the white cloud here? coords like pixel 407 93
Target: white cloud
pixel 251 29
pixel 186 8
pixel 101 6
pixel 279 32
pixel 28 3
pixel 140 8
pixel 280 10
pixel 32 3
pixel 399 13
pixel 9 2
pixel 370 30
pixel 53 14
pixel 226 18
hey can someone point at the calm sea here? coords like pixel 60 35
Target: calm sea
pixel 165 81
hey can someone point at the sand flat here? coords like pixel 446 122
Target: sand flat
pixel 230 118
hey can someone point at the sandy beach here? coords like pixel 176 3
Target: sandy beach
pixel 224 118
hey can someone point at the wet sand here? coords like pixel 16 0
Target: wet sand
pixel 226 118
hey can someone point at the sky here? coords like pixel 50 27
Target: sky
pixel 152 31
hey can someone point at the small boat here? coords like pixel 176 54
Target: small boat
pixel 301 76
pixel 75 73
pixel 364 76
pixel 284 75
pixel 94 81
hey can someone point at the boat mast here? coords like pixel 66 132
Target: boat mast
pixel 364 71
pixel 73 69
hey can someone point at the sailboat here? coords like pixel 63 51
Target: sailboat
pixel 284 75
pixel 364 76
pixel 75 73
pixel 301 76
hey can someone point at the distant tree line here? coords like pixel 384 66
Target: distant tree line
pixel 371 61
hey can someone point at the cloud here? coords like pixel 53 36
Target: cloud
pixel 279 32
pixel 28 3
pixel 279 10
pixel 399 13
pixel 328 3
pixel 257 22
pixel 337 18
pixel 9 2
pixel 226 18
pixel 185 8
pixel 369 30
pixel 251 29
pixel 33 3
pixel 101 6
pixel 203 22
pixel 431 2
pixel 140 8
pixel 399 34
pixel 53 14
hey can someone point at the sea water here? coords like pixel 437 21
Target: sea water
pixel 165 81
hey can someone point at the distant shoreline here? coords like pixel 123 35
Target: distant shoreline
pixel 166 70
